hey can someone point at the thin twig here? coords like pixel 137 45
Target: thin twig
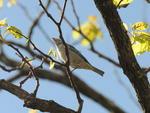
pixel 30 66
pixel 92 48
pixel 61 79
pixel 146 70
pixel 76 15
pixel 7 69
pixel 58 24
pixel 26 12
pixel 36 21
pixel 119 3
pixel 32 102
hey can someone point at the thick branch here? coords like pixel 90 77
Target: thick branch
pixel 84 88
pixel 125 54
pixel 32 102
pixel 148 1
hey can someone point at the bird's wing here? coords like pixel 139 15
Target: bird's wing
pixel 74 49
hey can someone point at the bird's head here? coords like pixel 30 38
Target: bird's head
pixel 57 41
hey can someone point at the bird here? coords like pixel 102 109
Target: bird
pixel 77 60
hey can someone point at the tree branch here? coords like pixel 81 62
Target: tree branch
pixel 67 63
pixel 125 54
pixel 84 88
pixel 92 48
pixel 148 1
pixel 32 102
pixel 37 19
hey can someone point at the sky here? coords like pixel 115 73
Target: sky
pixel 108 85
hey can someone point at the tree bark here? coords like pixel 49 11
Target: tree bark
pixel 126 57
pixel 32 102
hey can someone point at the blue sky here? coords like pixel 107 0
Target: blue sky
pixel 108 85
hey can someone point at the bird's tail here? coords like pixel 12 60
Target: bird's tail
pixel 98 71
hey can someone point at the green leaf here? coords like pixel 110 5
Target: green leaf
pixel 141 42
pixel 14 31
pixel 140 26
pixel 3 22
pixel 51 64
pixel 90 29
pixel 52 53
pixel 122 3
pixel 1 3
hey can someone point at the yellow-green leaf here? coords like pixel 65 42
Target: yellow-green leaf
pixel 140 26
pixel 92 18
pixel 90 29
pixel 75 34
pixel 141 36
pixel 141 42
pixel 51 64
pixel 3 22
pixel 122 3
pixel 14 31
pixel 1 3
pixel 139 48
pixel 52 52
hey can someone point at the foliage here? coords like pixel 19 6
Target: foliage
pixel 3 22
pixel 52 53
pixel 140 26
pixel 140 42
pixel 9 3
pixel 122 3
pixel 140 39
pixel 12 30
pixel 86 33
pixel 90 29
